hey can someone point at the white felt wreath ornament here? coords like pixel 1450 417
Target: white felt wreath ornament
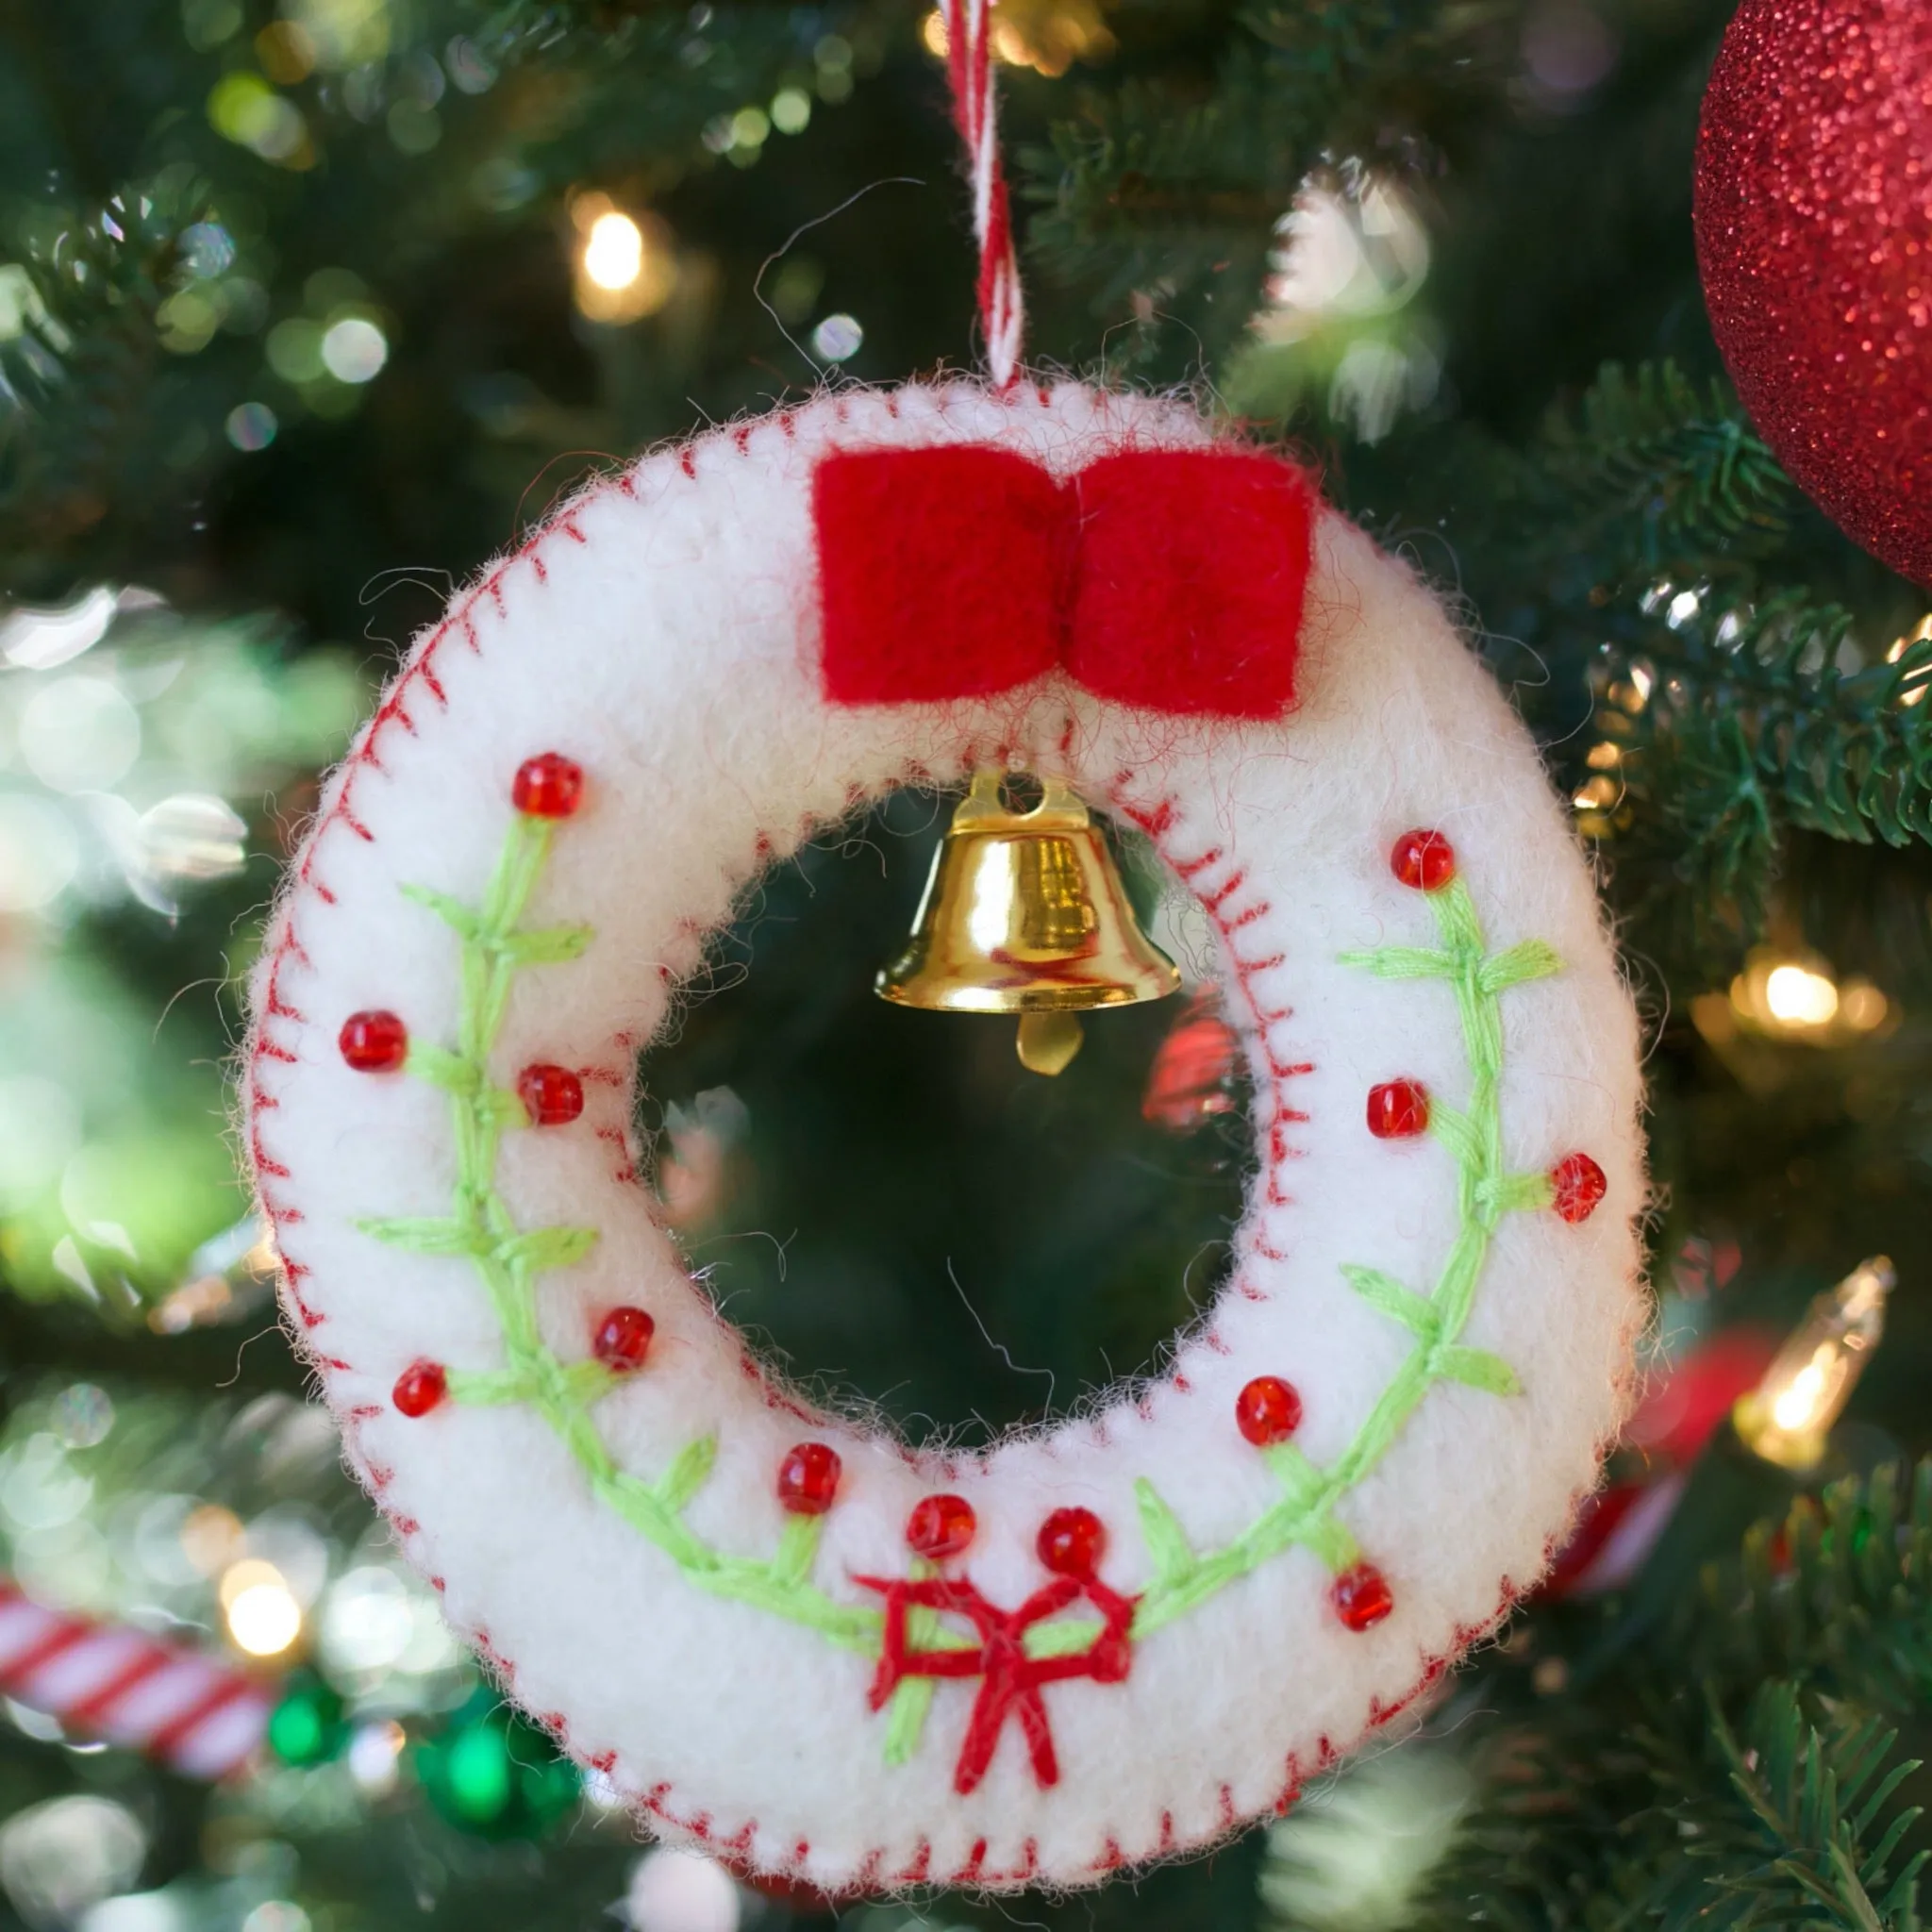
pixel 790 1637
pixel 786 1636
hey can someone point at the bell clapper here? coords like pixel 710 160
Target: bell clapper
pixel 1048 1043
pixel 1024 914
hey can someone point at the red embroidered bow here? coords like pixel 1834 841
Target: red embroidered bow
pixel 1168 579
pixel 1010 1679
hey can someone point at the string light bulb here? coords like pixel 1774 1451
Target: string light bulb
pixel 1786 1418
pixel 623 267
pixel 1796 996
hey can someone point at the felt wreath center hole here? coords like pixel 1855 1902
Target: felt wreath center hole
pixel 893 1211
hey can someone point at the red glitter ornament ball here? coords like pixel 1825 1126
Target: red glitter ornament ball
pixel 552 1096
pixel 624 1338
pixel 1424 860
pixel 1580 1185
pixel 1361 1596
pixel 375 1042
pixel 1071 1543
pixel 1813 210
pixel 808 1479
pixel 420 1387
pixel 548 786
pixel 1398 1110
pixel 941 1526
pixel 1268 1411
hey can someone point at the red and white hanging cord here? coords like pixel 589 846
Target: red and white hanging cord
pixel 969 64
pixel 199 1716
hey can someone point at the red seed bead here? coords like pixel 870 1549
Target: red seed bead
pixel 552 1096
pixel 1424 860
pixel 1268 1411
pixel 420 1387
pixel 624 1338
pixel 808 1479
pixel 548 786
pixel 1398 1110
pixel 941 1526
pixel 1361 1596
pixel 1071 1543
pixel 374 1042
pixel 1580 1186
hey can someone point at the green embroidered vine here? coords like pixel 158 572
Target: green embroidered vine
pixel 508 1261
pixel 1486 1192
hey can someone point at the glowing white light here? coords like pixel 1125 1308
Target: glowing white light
pixel 263 1617
pixel 674 1891
pixel 837 338
pixel 1798 1405
pixel 1800 997
pixel 39 640
pixel 366 1623
pixel 192 836
pixel 79 734
pixel 614 251
pixel 373 1755
pixel 59 1858
pixel 354 349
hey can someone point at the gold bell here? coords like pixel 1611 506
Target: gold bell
pixel 1024 913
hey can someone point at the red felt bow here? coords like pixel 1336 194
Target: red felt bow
pixel 1167 580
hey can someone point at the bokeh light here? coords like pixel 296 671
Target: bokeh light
pixel 251 426
pixel 263 1617
pixel 837 339
pixel 625 266
pixel 354 349
pixel 676 1890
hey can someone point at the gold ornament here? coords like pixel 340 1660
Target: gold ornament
pixel 1025 913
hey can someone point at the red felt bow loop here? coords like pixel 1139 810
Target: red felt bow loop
pixel 1170 580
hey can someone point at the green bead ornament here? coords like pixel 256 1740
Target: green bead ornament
pixel 493 1776
pixel 307 1727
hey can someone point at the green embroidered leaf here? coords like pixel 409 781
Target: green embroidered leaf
pixel 798 1543
pixel 451 912
pixel 1388 1296
pixel 906 1717
pixel 1404 962
pixel 1298 1476
pixel 546 1247
pixel 501 1108
pixel 525 848
pixel 1456 1131
pixel 1061 1639
pixel 449 1070
pixel 425 1236
pixel 548 947
pixel 488 1385
pixel 1480 1370
pixel 1529 959
pixel 687 1474
pixel 1456 920
pixel 1167 1542
pixel 1515 1192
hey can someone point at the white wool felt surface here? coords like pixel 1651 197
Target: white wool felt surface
pixel 662 632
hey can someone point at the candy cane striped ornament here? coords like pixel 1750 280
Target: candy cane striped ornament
pixel 969 67
pixel 197 1716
